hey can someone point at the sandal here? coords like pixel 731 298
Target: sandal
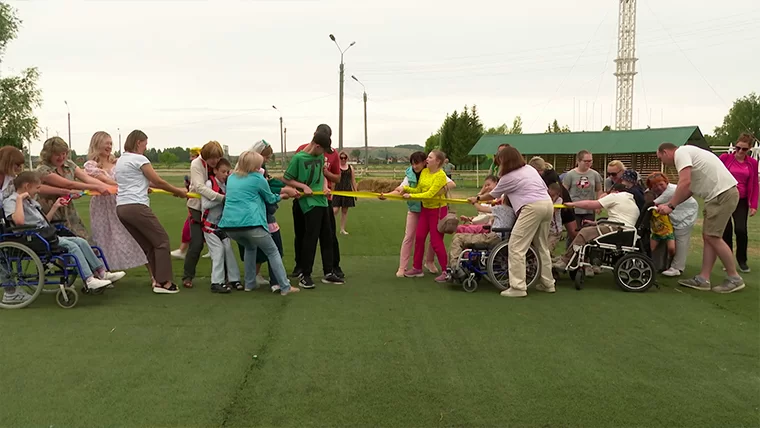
pixel 172 289
pixel 187 283
pixel 237 285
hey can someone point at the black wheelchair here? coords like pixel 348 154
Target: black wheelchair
pixel 31 260
pixel 624 251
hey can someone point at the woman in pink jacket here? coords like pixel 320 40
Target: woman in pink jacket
pixel 744 169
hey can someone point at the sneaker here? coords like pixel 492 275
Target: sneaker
pixel 399 274
pixel 560 265
pixel 251 287
pixel 276 288
pixel 697 283
pixel 513 292
pixel 343 232
pixel 431 267
pixel 672 272
pixel 306 282
pixel 729 285
pixel 331 278
pixel 589 271
pixel 173 289
pixel 290 291
pixel 237 285
pixel 296 272
pixel 743 268
pixel 339 273
pixel 220 288
pixel 442 278
pixel 17 297
pixel 179 254
pixel 95 283
pixel 206 256
pixel 261 281
pixel 114 276
pixel 545 289
pixel 414 273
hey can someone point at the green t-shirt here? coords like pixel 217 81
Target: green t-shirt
pixel 307 169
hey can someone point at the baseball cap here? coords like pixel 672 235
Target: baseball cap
pixel 322 139
pixel 324 128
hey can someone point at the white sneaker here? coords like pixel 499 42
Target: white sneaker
pixel 206 256
pixel 178 254
pixel 95 283
pixel 19 296
pixel 672 272
pixel 275 288
pixel 114 276
pixel 261 281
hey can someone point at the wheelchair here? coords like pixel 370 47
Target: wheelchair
pixel 31 263
pixel 492 262
pixel 624 251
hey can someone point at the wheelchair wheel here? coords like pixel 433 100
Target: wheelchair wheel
pixel 470 284
pixel 634 272
pixel 21 269
pixel 579 276
pixel 66 297
pixel 497 266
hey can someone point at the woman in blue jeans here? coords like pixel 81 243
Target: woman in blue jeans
pixel 244 219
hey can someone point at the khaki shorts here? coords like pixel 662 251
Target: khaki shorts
pixel 718 212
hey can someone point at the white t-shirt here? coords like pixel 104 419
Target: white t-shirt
pixel 133 185
pixel 709 177
pixel 621 208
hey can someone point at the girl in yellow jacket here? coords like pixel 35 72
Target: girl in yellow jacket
pixel 432 180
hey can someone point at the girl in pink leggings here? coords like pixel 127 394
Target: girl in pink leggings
pixel 417 161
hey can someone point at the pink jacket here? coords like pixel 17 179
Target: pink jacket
pixel 753 186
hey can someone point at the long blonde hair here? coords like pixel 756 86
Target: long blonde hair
pixel 96 142
pixel 248 162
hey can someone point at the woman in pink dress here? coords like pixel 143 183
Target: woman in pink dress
pixel 121 250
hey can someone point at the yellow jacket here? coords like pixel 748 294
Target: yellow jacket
pixel 428 187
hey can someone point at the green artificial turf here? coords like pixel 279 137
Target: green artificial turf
pixel 383 351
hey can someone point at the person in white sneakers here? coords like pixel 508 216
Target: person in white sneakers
pixel 24 210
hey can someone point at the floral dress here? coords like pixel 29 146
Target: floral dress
pixel 121 250
pixel 67 213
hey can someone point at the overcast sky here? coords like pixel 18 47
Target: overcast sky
pixel 186 72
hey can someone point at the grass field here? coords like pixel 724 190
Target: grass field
pixel 382 351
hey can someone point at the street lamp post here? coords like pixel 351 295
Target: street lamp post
pixel 340 95
pixel 68 115
pixel 366 146
pixel 282 140
pixel 119 131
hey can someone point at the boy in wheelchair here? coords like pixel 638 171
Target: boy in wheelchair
pixel 503 218
pixel 623 213
pixel 23 210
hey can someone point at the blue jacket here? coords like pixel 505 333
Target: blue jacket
pixel 245 202
pixel 414 207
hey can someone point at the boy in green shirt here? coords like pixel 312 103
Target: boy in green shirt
pixel 305 174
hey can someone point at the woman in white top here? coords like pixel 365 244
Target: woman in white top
pixel 683 219
pixel 134 175
pixel 121 250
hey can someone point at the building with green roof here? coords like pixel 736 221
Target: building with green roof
pixel 636 148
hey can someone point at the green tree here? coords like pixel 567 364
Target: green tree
pixel 168 158
pixel 554 128
pixel 433 142
pixel 744 116
pixel 356 153
pixel 504 129
pixel 19 95
pixel 607 128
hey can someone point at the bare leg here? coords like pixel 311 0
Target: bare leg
pixel 343 216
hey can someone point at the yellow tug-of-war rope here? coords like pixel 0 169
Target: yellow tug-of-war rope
pixel 349 194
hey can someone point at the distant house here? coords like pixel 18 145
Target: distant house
pixel 636 148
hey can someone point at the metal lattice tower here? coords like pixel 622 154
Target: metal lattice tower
pixel 625 64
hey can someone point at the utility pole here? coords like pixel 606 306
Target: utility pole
pixel 68 114
pixel 119 131
pixel 366 145
pixel 340 95
pixel 284 143
pixel 282 137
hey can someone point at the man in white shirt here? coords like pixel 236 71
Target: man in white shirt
pixel 621 208
pixel 701 173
